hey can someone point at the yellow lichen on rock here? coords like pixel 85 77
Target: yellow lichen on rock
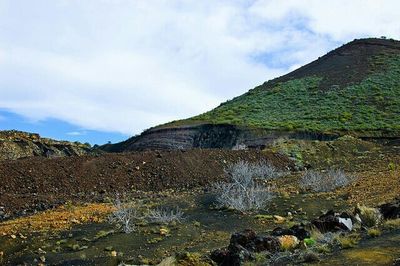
pixel 288 242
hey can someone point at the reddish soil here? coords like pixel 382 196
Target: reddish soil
pixel 39 183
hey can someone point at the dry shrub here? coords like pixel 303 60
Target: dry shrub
pixel 324 182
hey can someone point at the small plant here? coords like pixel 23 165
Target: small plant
pixel 124 217
pixel 324 249
pixel 348 241
pixel 391 166
pixel 374 232
pixel 324 182
pixel 165 216
pixel 370 217
pixel 392 224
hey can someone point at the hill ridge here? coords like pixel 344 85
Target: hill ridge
pixel 353 89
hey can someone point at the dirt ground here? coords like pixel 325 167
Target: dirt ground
pixel 35 184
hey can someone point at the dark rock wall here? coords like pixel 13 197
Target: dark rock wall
pixel 206 136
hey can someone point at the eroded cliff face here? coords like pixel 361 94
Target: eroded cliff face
pixel 18 144
pixel 206 136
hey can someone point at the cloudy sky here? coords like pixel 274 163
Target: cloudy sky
pixel 99 70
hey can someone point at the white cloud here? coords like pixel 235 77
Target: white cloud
pixel 127 65
pixel 76 133
pixel 341 20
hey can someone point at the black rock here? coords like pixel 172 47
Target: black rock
pixel 329 222
pixel 244 238
pixel 219 255
pixel 269 243
pixel 297 230
pixel 235 255
pixel 238 255
pixel 391 210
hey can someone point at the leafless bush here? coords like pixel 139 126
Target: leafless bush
pixel 245 189
pixel 261 170
pixel 165 216
pixel 241 196
pixel 124 217
pixel 324 182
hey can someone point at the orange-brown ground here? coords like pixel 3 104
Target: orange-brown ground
pixel 41 183
pixel 61 218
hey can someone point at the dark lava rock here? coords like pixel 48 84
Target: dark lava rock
pixel 241 248
pixel 238 255
pixel 219 255
pixel 310 257
pixel 269 243
pixel 391 210
pixel 329 222
pixel 244 238
pixel 235 255
pixel 297 230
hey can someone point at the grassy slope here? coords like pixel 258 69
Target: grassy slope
pixel 372 105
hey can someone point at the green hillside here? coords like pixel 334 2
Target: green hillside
pixel 357 94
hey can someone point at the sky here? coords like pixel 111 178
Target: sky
pixel 103 70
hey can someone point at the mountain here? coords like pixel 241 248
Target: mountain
pixel 352 90
pixel 18 144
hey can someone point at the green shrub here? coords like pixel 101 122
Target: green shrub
pixel 300 104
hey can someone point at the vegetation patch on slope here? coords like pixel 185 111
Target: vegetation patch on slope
pixel 301 105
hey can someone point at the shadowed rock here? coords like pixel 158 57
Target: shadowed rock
pixel 391 210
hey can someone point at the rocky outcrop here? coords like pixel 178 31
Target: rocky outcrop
pixel 207 136
pixel 333 222
pixel 242 247
pixel 391 210
pixel 18 144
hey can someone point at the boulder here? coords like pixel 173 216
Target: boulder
pixel 269 243
pixel 333 222
pixel 391 210
pixel 297 230
pixel 245 238
pixel 241 248
pixel 234 255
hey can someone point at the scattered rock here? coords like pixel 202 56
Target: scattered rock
pixel 241 248
pixel 347 222
pixel 297 230
pixel 164 231
pixel 220 255
pixel 391 210
pixel 311 257
pixel 279 219
pixel 109 248
pixel 332 222
pixel 244 238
